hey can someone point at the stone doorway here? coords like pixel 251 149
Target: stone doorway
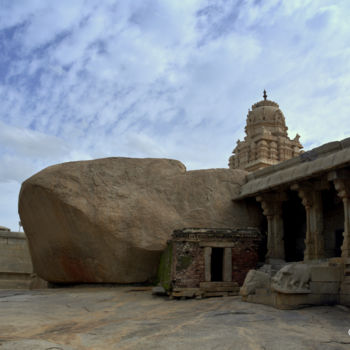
pixel 294 221
pixel 338 242
pixel 333 214
pixel 217 258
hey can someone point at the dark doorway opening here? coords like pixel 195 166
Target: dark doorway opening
pixel 338 242
pixel 333 222
pixel 294 219
pixel 217 257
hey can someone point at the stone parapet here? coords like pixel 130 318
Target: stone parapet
pixel 15 262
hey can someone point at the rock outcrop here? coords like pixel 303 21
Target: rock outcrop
pixel 107 220
pixel 254 280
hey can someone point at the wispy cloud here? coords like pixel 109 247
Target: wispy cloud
pixel 86 79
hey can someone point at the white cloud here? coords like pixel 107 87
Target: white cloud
pixel 30 143
pixel 173 79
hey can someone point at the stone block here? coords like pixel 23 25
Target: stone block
pixel 262 291
pixel 296 301
pixel 267 299
pixel 345 288
pixel 291 301
pixel 324 287
pixel 325 274
pixel 37 282
pixel 218 284
pixel 344 299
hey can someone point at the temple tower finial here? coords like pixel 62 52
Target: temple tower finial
pixel 266 141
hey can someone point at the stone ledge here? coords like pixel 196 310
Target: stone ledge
pixel 326 157
pixel 12 234
pixel 326 274
pixel 324 287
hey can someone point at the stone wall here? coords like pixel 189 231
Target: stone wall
pixel 333 223
pixel 15 262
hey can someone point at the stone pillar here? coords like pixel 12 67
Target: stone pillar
pixel 271 204
pixel 207 264
pixel 341 180
pixel 273 151
pixel 227 265
pixel 311 197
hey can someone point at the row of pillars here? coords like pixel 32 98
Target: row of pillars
pixel 310 194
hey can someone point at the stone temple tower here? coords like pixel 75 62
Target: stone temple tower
pixel 266 142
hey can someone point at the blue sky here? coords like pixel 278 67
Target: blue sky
pixel 84 79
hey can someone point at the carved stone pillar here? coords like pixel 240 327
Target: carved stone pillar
pixel 227 265
pixel 271 204
pixel 341 181
pixel 207 264
pixel 312 201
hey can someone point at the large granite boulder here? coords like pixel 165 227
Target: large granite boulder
pixel 107 220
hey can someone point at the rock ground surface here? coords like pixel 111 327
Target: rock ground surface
pixel 131 318
pixel 108 220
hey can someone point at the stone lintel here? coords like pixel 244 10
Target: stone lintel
pixel 214 244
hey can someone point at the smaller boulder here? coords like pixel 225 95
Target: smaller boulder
pixel 159 290
pixel 254 280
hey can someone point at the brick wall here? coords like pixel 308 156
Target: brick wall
pixel 244 258
pixel 188 264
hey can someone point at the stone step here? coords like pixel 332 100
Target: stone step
pixel 218 284
pixel 216 294
pixel 185 292
pixel 345 288
pixel 344 299
pixel 346 279
pixel 221 289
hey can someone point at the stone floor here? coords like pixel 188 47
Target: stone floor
pixel 131 318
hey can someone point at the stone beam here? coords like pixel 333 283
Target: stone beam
pixel 271 204
pixel 310 194
pixel 207 264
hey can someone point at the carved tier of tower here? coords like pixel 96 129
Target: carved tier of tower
pixel 266 142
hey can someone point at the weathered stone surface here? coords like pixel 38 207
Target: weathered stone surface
pixel 255 280
pixel 108 220
pixel 15 263
pixel 326 273
pixel 125 318
pixel 292 278
pixel 324 287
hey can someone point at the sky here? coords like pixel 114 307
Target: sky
pixel 86 79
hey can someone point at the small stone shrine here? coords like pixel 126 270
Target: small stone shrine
pixel 209 262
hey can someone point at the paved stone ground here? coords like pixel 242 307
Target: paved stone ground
pixel 130 318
